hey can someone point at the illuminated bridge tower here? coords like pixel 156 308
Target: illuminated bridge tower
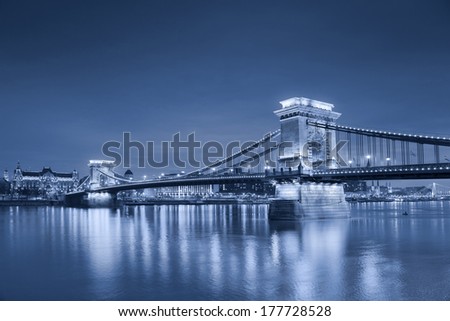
pixel 101 173
pixel 310 145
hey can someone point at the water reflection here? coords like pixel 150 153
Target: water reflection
pixel 224 252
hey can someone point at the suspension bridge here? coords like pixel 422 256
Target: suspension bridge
pixel 308 159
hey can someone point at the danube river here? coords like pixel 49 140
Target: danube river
pixel 224 252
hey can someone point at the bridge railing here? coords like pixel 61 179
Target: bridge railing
pixel 432 170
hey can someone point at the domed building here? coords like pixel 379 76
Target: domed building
pixel 129 175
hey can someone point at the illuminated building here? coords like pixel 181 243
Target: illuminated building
pixel 46 183
pixel 5 185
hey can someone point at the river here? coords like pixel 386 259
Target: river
pixel 224 252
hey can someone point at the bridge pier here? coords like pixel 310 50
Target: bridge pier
pixel 308 201
pixel 91 199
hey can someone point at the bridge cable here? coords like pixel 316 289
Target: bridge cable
pixel 237 154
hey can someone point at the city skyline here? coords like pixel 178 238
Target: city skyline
pixel 209 153
pixel 76 76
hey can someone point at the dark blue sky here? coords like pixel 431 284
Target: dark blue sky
pixel 75 74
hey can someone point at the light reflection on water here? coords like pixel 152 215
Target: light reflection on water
pixel 224 252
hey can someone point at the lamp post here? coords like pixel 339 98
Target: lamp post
pixel 368 160
pixel 388 161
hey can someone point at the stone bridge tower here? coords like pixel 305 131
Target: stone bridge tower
pixel 300 142
pixel 101 173
pixel 312 147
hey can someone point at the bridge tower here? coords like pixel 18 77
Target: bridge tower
pixel 101 173
pixel 313 148
pixel 300 142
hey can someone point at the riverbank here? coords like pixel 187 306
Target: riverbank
pixel 30 202
pixel 196 201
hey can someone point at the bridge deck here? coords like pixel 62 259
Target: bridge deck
pixel 182 181
pixel 424 171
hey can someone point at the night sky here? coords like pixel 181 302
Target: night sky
pixel 75 74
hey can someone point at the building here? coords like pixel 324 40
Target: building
pixel 130 194
pixel 129 175
pixel 45 183
pixel 355 187
pixel 186 191
pixel 5 185
pixel 258 188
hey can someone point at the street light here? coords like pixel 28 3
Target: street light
pixel 350 162
pixel 388 161
pixel 368 160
